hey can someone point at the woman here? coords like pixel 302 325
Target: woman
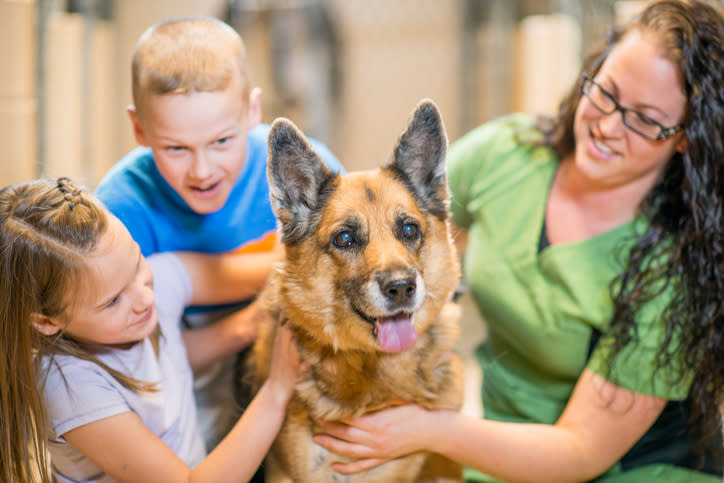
pixel 594 253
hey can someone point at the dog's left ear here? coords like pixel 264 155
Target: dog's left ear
pixel 299 181
pixel 419 158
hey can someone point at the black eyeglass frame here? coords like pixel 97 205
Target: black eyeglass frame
pixel 666 132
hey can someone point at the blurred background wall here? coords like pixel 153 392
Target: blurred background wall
pixel 348 72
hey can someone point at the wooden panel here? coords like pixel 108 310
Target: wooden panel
pixel 395 53
pixel 17 49
pixel 17 140
pixel 64 96
pixel 102 102
pixel 546 63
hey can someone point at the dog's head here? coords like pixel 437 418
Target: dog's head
pixel 368 258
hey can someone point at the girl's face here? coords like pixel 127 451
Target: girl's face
pixel 609 154
pixel 115 305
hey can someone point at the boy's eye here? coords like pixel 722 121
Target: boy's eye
pixel 223 140
pixel 175 149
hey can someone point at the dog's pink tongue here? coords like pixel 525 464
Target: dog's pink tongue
pixel 396 334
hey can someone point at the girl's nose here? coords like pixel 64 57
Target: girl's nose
pixel 142 296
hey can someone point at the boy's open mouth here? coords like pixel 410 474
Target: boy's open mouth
pixel 205 189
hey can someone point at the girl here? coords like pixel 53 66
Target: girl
pixel 96 377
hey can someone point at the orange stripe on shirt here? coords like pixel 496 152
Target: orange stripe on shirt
pixel 261 245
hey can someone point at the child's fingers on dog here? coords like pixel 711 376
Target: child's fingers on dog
pixel 285 341
pixel 290 342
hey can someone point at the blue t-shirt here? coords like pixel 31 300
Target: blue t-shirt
pixel 161 221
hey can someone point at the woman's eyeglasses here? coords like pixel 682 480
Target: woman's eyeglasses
pixel 634 120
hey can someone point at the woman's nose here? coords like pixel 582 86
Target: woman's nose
pixel 611 125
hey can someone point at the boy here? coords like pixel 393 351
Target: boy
pixel 198 180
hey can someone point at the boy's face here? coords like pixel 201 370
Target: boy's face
pixel 199 141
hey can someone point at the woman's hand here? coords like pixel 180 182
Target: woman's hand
pixel 375 438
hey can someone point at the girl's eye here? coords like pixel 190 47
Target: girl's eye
pixel 114 301
pixel 344 239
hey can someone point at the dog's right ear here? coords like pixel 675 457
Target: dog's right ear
pixel 299 181
pixel 418 159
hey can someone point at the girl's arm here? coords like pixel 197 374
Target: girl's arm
pixel 600 423
pixel 124 448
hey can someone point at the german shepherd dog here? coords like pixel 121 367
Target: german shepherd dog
pixel 368 267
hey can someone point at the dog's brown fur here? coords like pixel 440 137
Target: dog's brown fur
pixel 356 248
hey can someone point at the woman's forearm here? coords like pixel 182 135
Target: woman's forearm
pixel 510 451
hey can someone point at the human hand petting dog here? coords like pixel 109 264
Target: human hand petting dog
pixel 286 364
pixel 375 438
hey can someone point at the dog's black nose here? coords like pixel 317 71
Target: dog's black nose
pixel 400 290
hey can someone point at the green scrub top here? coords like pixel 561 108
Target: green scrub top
pixel 542 306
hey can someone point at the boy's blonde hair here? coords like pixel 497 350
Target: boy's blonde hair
pixel 188 54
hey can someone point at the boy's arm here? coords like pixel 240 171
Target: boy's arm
pixel 180 279
pixel 224 337
pixel 227 278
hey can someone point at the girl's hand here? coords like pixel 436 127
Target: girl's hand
pixel 375 438
pixel 286 365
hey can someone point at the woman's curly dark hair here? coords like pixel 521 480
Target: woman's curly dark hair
pixel 683 248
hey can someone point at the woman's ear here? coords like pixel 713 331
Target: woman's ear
pixel 682 144
pixel 44 324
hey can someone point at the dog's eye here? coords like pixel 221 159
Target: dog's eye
pixel 344 239
pixel 409 230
